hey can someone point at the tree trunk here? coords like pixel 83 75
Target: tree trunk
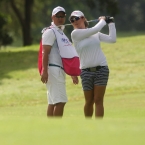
pixel 26 21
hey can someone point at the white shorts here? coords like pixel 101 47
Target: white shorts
pixel 56 89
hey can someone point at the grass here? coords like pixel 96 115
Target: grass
pixel 41 131
pixel 23 100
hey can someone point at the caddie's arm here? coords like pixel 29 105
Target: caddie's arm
pixel 75 79
pixel 46 51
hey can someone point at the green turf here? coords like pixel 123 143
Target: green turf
pixel 23 100
pixel 36 130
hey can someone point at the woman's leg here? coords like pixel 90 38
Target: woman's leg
pixel 89 101
pixel 99 92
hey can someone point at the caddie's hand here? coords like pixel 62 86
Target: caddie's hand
pixel 44 77
pixel 75 79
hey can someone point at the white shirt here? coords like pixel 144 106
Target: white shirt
pixel 48 38
pixel 87 44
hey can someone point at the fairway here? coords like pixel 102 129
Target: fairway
pixel 23 100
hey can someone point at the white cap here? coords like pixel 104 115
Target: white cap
pixel 77 13
pixel 58 9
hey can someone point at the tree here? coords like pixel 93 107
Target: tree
pixel 5 38
pixel 109 6
pixel 22 12
pixel 131 16
pixel 25 21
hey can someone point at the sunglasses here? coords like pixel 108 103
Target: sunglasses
pixel 59 16
pixel 74 19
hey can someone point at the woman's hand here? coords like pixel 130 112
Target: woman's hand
pixel 109 19
pixel 102 17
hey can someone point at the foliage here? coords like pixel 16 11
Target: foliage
pixel 128 15
pixel 24 19
pixel 107 6
pixel 131 16
pixel 31 23
pixel 5 38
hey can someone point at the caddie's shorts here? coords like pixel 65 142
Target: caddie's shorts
pixel 56 89
pixel 94 76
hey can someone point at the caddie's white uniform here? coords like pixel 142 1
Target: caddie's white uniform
pixel 56 89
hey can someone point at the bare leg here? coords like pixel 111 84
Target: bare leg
pixel 50 110
pixel 99 92
pixel 58 109
pixel 55 110
pixel 89 101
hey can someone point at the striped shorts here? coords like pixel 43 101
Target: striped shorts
pixel 91 78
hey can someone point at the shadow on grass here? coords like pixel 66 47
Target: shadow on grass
pixel 15 61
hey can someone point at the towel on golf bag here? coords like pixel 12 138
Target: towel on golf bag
pixel 69 56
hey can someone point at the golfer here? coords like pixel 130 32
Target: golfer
pixel 53 74
pixel 93 64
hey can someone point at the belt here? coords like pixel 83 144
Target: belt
pixel 93 69
pixel 55 65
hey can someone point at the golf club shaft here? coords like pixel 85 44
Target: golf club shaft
pixel 95 20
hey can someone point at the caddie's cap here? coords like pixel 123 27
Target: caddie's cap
pixel 58 9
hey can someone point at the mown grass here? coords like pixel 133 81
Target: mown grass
pixel 23 100
pixel 34 130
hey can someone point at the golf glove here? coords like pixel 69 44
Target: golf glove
pixel 108 19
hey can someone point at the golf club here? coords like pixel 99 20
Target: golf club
pixel 95 20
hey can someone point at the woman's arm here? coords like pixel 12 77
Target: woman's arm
pixel 80 34
pixel 111 38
